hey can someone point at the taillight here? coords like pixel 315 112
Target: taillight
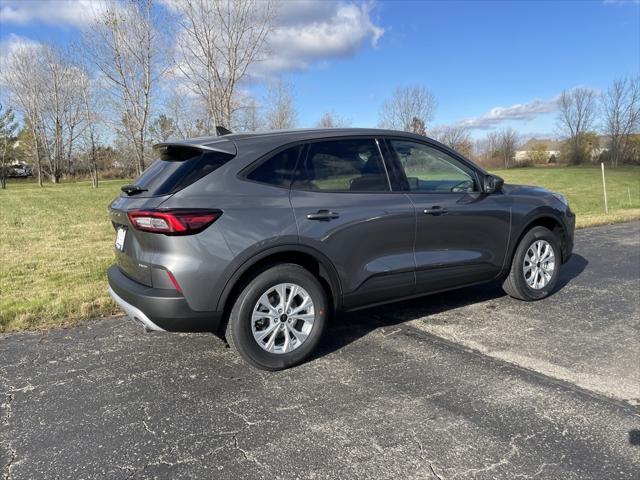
pixel 173 221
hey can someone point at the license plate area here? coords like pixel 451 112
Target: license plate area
pixel 121 234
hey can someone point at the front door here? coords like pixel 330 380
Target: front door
pixel 462 233
pixel 344 207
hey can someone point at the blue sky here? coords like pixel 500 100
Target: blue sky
pixel 474 56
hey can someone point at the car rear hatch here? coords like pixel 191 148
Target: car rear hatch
pixel 178 165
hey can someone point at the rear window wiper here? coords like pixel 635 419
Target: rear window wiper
pixel 133 189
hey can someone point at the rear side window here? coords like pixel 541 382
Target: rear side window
pixel 278 170
pixel 342 165
pixel 177 168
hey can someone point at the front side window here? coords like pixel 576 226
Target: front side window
pixel 431 170
pixel 352 165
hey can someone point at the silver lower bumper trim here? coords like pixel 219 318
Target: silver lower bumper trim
pixel 134 313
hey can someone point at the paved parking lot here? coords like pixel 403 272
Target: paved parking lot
pixel 468 384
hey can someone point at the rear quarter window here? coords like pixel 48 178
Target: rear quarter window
pixel 277 170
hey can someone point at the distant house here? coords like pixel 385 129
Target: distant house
pixel 543 151
pixel 539 151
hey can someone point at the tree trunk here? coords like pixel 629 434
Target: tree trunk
pixel 94 165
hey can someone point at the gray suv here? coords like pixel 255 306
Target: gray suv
pixel 263 236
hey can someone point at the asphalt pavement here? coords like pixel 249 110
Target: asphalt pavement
pixel 467 384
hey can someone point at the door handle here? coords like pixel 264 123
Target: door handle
pixel 323 215
pixel 435 210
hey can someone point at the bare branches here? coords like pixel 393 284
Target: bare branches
pixel 455 137
pixel 577 110
pixel 45 84
pixel 280 110
pixel 332 120
pixel 122 43
pixel 218 41
pixel 507 142
pixel 621 112
pixel 407 107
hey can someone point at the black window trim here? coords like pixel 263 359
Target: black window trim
pixel 398 170
pixel 373 138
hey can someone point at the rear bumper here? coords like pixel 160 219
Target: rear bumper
pixel 157 308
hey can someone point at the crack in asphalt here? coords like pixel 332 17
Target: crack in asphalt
pixel 429 463
pixel 10 396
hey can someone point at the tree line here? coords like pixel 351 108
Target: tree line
pixel 141 75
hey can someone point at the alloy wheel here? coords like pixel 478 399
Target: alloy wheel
pixel 282 318
pixel 539 264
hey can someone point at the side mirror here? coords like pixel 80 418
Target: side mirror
pixel 492 184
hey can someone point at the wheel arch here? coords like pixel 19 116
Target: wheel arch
pixel 312 260
pixel 541 219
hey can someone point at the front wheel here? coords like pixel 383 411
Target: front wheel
pixel 535 267
pixel 278 318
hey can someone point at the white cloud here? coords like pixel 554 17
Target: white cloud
pixel 59 12
pixel 518 111
pixel 308 31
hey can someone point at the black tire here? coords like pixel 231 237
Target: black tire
pixel 515 284
pixel 239 333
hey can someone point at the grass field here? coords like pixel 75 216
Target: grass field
pixel 56 242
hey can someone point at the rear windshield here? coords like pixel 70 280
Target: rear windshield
pixel 177 168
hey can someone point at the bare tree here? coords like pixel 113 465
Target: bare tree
pixel 123 43
pixel 8 129
pixel 331 120
pixel 46 85
pixel 92 119
pixel 507 143
pixel 621 111
pixel 406 105
pixel 418 127
pixel 62 114
pixel 455 137
pixel 280 109
pixel 217 41
pixel 577 110
pixel 22 77
pixel 188 115
pixel 162 128
pixel 249 117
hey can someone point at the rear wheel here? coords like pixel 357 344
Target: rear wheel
pixel 535 267
pixel 278 318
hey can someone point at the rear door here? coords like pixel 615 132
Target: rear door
pixel 462 233
pixel 345 208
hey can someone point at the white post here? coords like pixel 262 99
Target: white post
pixel 604 189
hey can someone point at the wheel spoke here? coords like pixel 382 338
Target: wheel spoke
pixel 260 335
pixel 300 336
pixel 282 294
pixel 272 340
pixel 264 300
pixel 305 317
pixel 306 302
pixel 293 291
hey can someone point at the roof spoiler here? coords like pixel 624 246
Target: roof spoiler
pixel 212 145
